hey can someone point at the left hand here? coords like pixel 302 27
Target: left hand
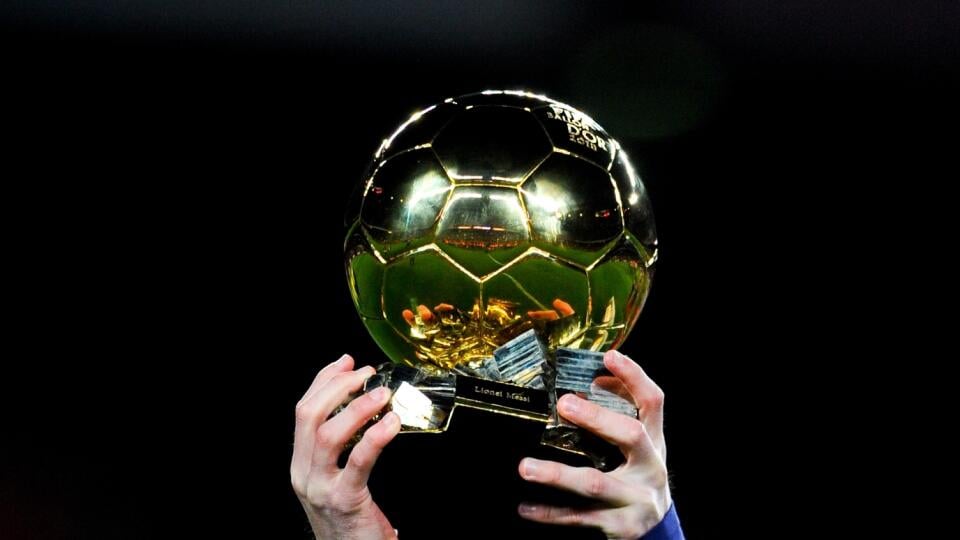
pixel 634 497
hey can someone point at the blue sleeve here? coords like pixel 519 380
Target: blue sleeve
pixel 667 529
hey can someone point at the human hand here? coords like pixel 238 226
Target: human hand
pixel 337 501
pixel 634 497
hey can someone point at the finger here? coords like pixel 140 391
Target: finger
pixel 344 363
pixel 585 481
pixel 628 434
pixel 313 411
pixel 646 394
pixel 334 392
pixel 555 515
pixel 305 422
pixel 334 433
pixel 613 385
pixel 364 455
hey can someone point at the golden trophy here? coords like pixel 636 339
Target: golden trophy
pixel 499 242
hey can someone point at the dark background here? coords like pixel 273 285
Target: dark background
pixel 176 174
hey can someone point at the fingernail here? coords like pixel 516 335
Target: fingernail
pixel 530 468
pixel 527 508
pixel 380 393
pixel 570 404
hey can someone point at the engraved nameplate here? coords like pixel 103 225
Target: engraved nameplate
pixel 503 398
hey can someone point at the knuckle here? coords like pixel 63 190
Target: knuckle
pixel 572 517
pixel 649 406
pixel 588 414
pixel 552 474
pixel 596 483
pixel 635 433
pixel 303 412
pixel 356 408
pixel 299 486
pixel 377 436
pixel 340 378
pixel 592 412
pixel 655 399
pixel 325 437
pixel 360 457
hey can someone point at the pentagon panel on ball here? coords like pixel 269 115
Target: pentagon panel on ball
pixel 492 144
pixel 491 214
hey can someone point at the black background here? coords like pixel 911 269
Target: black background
pixel 176 176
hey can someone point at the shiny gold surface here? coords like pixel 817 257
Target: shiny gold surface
pixel 492 214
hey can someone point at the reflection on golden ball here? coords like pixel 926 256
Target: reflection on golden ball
pixel 493 213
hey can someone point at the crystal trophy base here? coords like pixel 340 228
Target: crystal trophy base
pixel 522 379
pixel 578 372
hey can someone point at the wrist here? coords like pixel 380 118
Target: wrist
pixel 667 529
pixel 367 524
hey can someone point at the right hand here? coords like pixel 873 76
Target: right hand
pixel 337 501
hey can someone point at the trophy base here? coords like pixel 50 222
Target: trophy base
pixel 522 380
